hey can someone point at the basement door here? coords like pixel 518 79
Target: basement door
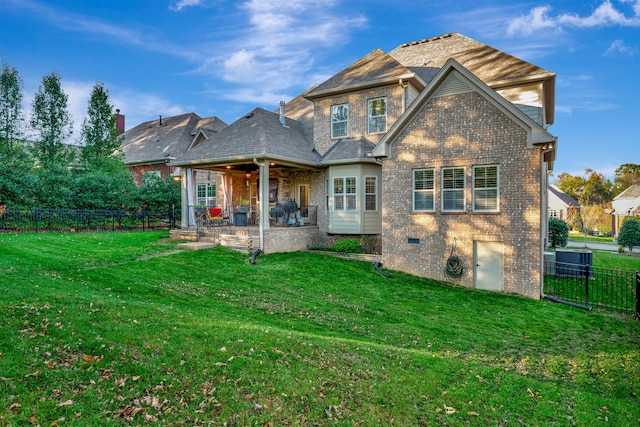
pixel 488 265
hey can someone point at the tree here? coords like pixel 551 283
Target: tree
pixel 571 185
pixel 592 189
pixel 630 234
pixel 51 121
pixel 558 232
pixel 157 194
pixel 627 175
pixel 11 117
pixel 99 135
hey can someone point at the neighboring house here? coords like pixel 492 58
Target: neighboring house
pixel 437 148
pixel 150 146
pixel 625 205
pixel 561 205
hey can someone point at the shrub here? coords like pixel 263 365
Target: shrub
pixel 558 233
pixel 348 245
pixel 630 234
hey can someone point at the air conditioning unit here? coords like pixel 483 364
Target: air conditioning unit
pixel 571 262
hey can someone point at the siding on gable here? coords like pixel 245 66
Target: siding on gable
pixel 464 130
pixel 528 99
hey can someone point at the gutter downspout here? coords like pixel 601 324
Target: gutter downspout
pixel 404 87
pixel 544 204
pixel 263 190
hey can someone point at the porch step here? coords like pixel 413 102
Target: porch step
pixel 238 243
pixel 194 246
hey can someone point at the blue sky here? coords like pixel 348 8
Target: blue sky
pixel 224 58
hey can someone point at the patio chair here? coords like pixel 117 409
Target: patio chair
pixel 216 217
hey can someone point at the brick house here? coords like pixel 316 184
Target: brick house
pixel 437 152
pixel 150 146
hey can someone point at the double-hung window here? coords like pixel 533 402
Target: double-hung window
pixel 370 193
pixel 453 183
pixel 377 115
pixel 344 193
pixel 206 194
pixel 486 195
pixel 423 190
pixel 339 120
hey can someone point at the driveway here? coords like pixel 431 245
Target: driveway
pixel 579 244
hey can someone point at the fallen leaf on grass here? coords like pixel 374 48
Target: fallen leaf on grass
pixel 220 364
pixel 473 413
pixel 67 403
pixel 91 359
pixel 33 420
pixel 449 410
pixel 15 405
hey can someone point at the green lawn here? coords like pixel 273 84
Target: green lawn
pixel 122 329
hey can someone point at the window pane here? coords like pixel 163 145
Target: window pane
pixel 485 188
pixel 339 120
pixel 370 202
pixel 351 185
pixel 377 115
pixel 453 189
pixel 423 190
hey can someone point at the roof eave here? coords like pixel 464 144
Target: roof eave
pixel 364 85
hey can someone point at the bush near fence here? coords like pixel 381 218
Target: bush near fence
pixel 17 220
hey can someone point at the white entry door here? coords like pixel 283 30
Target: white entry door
pixel 488 265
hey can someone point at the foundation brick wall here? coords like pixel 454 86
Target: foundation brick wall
pixel 464 130
pixel 289 239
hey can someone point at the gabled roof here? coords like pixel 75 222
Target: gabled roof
pixel 632 192
pixel 564 197
pixel 349 150
pixel 536 135
pixel 627 202
pixel 258 135
pixel 494 67
pixel 375 69
pixel 165 138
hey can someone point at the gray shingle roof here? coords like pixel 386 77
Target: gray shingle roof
pixel 632 192
pixel 487 63
pixel 375 67
pixel 349 150
pixel 564 197
pixel 162 139
pixel 259 134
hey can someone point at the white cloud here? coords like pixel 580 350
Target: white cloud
pixel 619 46
pixel 181 4
pixel 606 14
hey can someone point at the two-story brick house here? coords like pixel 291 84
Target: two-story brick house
pixel 438 150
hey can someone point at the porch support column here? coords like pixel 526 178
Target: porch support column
pixel 264 199
pixel 184 199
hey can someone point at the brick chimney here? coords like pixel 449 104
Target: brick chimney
pixel 119 121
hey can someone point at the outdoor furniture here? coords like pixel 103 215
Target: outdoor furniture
pixel 216 217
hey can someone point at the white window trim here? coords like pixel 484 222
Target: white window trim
pixel 344 195
pixel 414 191
pixel 463 189
pixel 497 188
pixel 206 198
pixel 375 192
pixel 346 121
pixel 369 116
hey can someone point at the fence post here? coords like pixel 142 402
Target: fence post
pixel 586 284
pixel 37 218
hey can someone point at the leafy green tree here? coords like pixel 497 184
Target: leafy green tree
pixel 100 138
pixel 592 189
pixel 597 189
pixel 571 185
pixel 109 187
pixel 558 233
pixel 11 116
pixel 630 234
pixel 51 121
pixel 626 175
pixel 157 194
pixel 53 181
pixel 18 182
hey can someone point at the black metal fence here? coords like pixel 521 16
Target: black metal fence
pixel 591 287
pixel 17 220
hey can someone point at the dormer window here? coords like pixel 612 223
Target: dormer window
pixel 377 115
pixel 339 120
